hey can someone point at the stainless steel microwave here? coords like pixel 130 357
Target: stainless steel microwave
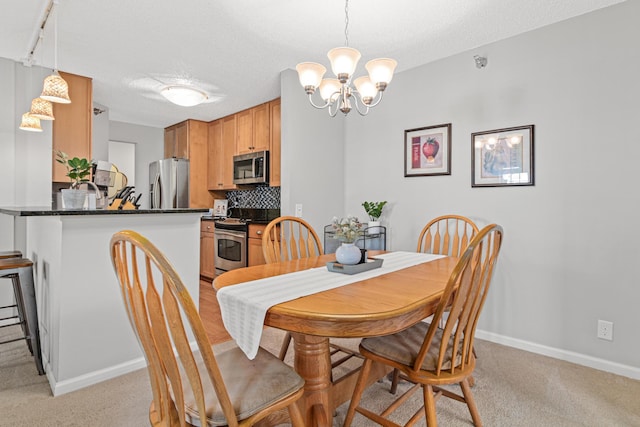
pixel 251 168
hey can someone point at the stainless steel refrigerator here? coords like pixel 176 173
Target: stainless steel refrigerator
pixel 169 183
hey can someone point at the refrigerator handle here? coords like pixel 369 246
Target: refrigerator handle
pixel 157 192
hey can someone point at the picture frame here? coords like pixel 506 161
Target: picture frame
pixel 427 151
pixel 502 157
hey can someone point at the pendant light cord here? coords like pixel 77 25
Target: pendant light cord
pixel 55 38
pixel 346 23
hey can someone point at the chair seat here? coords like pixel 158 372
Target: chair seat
pixel 252 385
pixel 403 347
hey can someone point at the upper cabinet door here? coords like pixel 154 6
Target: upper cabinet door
pixel 253 129
pixel 176 141
pixel 244 131
pixel 73 123
pixel 261 127
pixel 274 155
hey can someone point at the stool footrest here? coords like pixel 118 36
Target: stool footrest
pixel 15 339
pixel 11 324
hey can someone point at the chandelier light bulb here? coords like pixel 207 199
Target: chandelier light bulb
pixel 330 89
pixel 366 89
pixel 343 62
pixel 310 75
pixel 381 71
pixel 184 96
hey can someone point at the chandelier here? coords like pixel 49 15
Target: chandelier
pixel 338 94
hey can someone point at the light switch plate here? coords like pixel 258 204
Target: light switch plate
pixel 299 210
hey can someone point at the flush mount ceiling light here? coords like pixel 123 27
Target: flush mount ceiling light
pixel 30 123
pixel 55 89
pixel 184 96
pixel 338 93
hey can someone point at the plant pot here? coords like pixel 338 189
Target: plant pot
pixel 348 254
pixel 73 199
pixel 374 227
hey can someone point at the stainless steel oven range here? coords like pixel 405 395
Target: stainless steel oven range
pixel 230 237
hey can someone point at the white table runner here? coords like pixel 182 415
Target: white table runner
pixel 244 306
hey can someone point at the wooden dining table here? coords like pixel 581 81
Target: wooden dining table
pixel 377 306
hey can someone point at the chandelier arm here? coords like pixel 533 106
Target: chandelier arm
pixel 377 101
pixel 319 107
pixel 357 103
pixel 333 111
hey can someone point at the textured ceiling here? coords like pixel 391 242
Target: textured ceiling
pixel 236 49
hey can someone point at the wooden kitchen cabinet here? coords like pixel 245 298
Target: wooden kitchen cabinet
pixel 71 130
pixel 207 249
pixel 176 141
pixel 189 140
pixel 254 244
pixel 274 154
pixel 253 129
pixel 222 146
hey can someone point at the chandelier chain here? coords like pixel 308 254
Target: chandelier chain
pixel 346 23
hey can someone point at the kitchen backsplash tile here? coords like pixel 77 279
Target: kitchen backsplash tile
pixel 261 197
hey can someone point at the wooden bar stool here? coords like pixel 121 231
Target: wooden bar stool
pixel 20 271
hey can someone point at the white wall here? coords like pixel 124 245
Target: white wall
pixel 33 150
pixel 7 150
pixel 100 133
pixel 312 157
pixel 571 240
pixel 149 147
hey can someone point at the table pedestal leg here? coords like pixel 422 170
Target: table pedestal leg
pixel 313 363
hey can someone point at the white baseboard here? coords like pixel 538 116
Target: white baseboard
pixel 82 381
pixel 569 356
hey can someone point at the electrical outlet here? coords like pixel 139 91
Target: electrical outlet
pixel 299 210
pixel 605 330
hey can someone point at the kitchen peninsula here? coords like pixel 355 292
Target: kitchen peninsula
pixel 85 333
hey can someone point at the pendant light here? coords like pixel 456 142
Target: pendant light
pixel 42 109
pixel 55 88
pixel 30 123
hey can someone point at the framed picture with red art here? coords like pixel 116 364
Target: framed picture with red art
pixel 427 151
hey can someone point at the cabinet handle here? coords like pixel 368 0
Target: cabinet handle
pixel 259 232
pixel 208 227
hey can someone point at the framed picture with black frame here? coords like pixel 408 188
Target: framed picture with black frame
pixel 427 151
pixel 502 157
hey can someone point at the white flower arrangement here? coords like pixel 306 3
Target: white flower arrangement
pixel 347 229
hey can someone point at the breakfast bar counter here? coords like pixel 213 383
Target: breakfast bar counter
pixel 85 333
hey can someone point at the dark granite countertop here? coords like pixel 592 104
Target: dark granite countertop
pixel 47 211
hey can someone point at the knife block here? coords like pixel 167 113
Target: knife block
pixel 118 205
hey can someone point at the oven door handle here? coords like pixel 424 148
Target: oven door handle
pixel 240 234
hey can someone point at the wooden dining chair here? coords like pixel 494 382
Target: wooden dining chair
pixel 447 235
pixel 444 235
pixel 288 238
pixel 193 386
pixel 430 356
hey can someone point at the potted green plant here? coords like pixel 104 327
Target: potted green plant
pixel 77 170
pixel 374 210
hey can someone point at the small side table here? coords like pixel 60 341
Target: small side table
pixel 373 238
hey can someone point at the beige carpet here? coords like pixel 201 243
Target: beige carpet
pixel 513 388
